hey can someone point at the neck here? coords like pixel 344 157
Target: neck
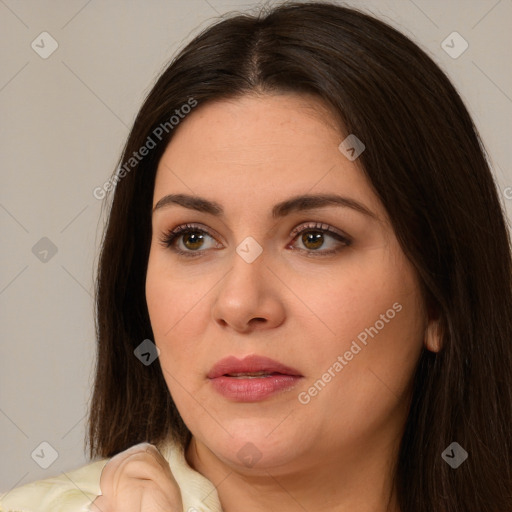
pixel 341 483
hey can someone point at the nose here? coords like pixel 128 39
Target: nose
pixel 249 297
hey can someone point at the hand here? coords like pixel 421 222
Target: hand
pixel 138 480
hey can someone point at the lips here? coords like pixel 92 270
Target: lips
pixel 250 367
pixel 252 379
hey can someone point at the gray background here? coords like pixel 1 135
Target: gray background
pixel 64 121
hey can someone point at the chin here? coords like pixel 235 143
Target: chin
pixel 253 445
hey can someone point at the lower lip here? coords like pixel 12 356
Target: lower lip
pixel 255 389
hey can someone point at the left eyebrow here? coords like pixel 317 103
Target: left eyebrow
pixel 296 203
pixel 312 201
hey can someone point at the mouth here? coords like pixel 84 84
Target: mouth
pixel 250 367
pixel 254 375
pixel 252 379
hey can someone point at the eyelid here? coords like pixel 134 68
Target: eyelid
pixel 321 226
pixel 168 237
pixel 193 226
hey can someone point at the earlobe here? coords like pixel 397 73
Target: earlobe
pixel 433 336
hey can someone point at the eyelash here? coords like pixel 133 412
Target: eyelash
pixel 168 239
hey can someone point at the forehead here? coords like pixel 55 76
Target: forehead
pixel 258 149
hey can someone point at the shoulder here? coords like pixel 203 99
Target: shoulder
pixel 71 491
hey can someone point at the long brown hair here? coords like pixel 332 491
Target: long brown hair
pixel 425 161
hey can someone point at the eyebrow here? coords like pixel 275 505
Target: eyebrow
pixel 294 204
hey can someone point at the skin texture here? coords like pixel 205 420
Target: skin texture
pixel 336 452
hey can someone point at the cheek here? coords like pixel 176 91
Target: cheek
pixel 176 311
pixel 362 298
pixel 376 321
pixel 175 321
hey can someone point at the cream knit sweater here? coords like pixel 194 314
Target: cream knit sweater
pixel 74 491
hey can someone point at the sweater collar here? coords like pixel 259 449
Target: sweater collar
pixel 197 492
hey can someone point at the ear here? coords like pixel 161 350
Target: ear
pixel 433 336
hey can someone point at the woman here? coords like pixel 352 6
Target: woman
pixel 305 225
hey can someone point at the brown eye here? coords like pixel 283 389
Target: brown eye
pixel 193 240
pixel 314 236
pixel 188 240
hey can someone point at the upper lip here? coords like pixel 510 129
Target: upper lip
pixel 249 364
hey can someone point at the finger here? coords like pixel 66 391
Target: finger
pixel 147 466
pixel 134 472
pixel 110 469
pixel 153 451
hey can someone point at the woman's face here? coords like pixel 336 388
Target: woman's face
pixel 340 309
